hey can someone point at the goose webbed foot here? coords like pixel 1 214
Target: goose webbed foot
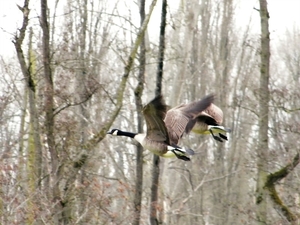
pixel 223 136
pixel 182 157
pixel 216 137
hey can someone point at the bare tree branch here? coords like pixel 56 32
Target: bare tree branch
pixel 70 104
pixel 18 41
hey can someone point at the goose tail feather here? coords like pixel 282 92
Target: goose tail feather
pixel 189 151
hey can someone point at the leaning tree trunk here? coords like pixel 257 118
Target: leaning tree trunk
pixel 156 159
pixel 263 148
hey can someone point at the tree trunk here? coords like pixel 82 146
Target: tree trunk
pixel 223 81
pixel 48 108
pixel 158 91
pixel 263 148
pixel 82 77
pixel 138 101
pixel 34 148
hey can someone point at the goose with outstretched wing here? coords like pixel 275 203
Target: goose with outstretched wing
pixel 166 128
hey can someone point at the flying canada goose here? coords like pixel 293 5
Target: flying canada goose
pixel 165 128
pixel 209 122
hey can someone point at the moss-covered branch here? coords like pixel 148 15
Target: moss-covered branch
pixel 283 172
pixel 270 186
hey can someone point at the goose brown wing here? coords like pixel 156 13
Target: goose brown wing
pixel 213 115
pixel 154 113
pixel 181 119
pixel 216 113
pixel 176 121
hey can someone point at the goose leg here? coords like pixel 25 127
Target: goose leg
pixel 215 137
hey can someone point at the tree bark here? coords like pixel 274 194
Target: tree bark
pixel 49 117
pixel 34 148
pixel 161 49
pixel 158 91
pixel 138 101
pixel 263 148
pixel 82 76
pixel 223 189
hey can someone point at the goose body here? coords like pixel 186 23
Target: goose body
pixel 165 128
pixel 156 147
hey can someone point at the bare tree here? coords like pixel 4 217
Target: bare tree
pixel 156 160
pixel 98 137
pixel 77 62
pixel 263 148
pixel 34 147
pixel 138 101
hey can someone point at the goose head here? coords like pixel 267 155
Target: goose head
pixel 114 132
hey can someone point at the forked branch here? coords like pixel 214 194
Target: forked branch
pixel 273 178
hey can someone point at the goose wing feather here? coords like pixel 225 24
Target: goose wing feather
pixel 176 121
pixel 181 119
pixel 213 115
pixel 154 113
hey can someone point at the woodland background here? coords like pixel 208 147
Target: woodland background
pixel 82 67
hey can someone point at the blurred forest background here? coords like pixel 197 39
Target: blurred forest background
pixel 82 67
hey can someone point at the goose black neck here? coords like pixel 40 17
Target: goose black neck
pixel 127 134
